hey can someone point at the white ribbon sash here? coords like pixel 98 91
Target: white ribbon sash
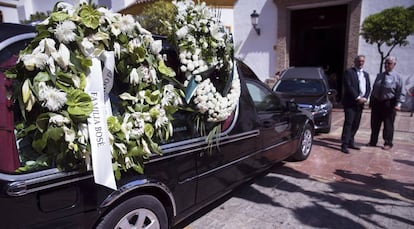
pixel 108 77
pixel 98 130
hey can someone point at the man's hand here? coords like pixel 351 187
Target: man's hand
pixel 397 108
pixel 361 100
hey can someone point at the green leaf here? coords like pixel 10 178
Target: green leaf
pixel 41 77
pixel 140 54
pixel 90 16
pixel 164 69
pixel 40 141
pixel 42 122
pixel 138 168
pixel 79 104
pixel 59 16
pixel 148 130
pixel 135 151
pixel 152 97
pixel 154 112
pixel 113 124
pixel 55 133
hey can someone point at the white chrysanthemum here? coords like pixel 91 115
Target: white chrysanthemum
pixel 64 31
pixel 126 24
pixel 51 98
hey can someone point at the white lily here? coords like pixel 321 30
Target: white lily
pixel 28 97
pixel 133 77
pixel 145 147
pixel 86 46
pixel 83 133
pixel 121 147
pixel 62 57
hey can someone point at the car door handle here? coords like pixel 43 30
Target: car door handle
pixel 18 188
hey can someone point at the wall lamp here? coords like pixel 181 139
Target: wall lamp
pixel 255 21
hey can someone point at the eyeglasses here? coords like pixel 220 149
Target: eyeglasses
pixel 388 63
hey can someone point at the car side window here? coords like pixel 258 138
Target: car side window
pixel 263 98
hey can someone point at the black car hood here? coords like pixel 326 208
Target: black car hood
pixel 303 99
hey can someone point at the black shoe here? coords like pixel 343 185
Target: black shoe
pixel 344 150
pixel 354 147
pixel 371 145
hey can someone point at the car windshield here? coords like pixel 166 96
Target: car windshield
pixel 301 86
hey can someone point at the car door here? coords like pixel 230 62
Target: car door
pixel 274 120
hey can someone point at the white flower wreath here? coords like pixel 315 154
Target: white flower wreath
pixel 206 55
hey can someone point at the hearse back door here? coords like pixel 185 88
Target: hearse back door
pixel 48 199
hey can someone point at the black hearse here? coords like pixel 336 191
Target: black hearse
pixel 188 175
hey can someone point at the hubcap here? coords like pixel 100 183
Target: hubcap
pixel 306 142
pixel 139 219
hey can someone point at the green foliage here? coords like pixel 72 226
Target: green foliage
pixel 154 14
pixel 390 27
pixel 36 17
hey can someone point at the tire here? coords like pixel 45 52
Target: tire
pixel 138 212
pixel 305 144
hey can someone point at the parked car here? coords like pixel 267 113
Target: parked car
pixel 263 130
pixel 309 88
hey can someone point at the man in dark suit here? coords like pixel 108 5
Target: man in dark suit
pixel 356 89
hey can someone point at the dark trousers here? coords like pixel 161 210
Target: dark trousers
pixel 351 124
pixel 382 112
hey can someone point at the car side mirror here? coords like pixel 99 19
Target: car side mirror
pixel 292 105
pixel 332 92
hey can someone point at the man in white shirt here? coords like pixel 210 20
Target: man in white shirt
pixel 356 89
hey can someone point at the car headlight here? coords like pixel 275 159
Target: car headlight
pixel 321 107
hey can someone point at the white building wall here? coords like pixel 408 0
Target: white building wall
pixel 27 7
pixel 405 55
pixel 9 14
pixel 254 50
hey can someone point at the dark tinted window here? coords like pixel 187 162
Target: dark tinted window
pixel 301 86
pixel 263 98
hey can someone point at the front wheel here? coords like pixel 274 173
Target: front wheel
pixel 305 144
pixel 138 212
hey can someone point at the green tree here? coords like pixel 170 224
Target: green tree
pixel 154 14
pixel 390 27
pixel 36 17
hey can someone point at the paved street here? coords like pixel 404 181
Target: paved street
pixel 370 188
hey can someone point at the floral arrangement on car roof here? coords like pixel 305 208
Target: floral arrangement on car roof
pixel 206 57
pixel 55 72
